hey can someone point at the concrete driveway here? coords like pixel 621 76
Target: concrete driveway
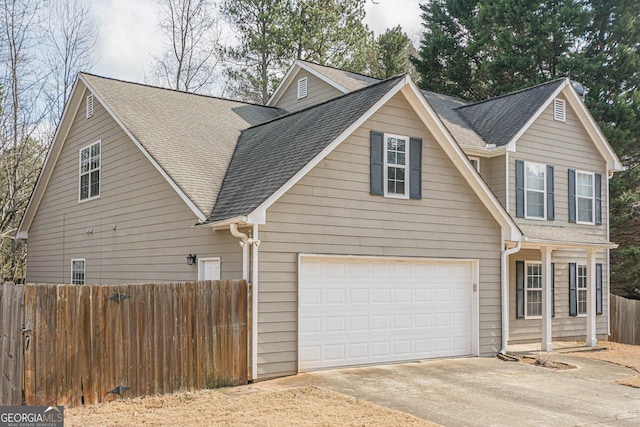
pixel 490 392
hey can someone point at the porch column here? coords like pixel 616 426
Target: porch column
pixel 591 298
pixel 547 344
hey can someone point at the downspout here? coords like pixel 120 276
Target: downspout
pixel 245 242
pixel 504 293
pixel 254 338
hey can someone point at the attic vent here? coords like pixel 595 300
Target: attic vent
pixel 89 106
pixel 559 111
pixel 302 88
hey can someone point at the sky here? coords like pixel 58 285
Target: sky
pixel 129 36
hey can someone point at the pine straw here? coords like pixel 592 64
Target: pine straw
pixel 307 406
pixel 621 354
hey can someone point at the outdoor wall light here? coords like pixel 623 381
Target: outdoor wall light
pixel 191 259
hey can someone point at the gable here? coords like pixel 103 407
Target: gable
pixel 251 188
pixel 557 142
pixel 318 91
pixel 332 202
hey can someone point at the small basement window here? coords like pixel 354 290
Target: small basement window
pixel 302 88
pixel 559 110
pixel 89 106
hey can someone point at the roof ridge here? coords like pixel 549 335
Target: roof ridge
pixel 447 95
pixel 344 71
pixel 326 102
pixel 220 98
pixel 511 93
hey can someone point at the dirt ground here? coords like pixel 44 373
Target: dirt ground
pixel 622 354
pixel 306 406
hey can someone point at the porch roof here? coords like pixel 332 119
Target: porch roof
pixel 562 237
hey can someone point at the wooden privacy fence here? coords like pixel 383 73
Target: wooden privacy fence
pixel 625 320
pixel 92 343
pixel 11 355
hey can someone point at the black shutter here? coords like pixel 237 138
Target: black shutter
pixel 598 288
pixel 572 195
pixel 598 193
pixel 520 188
pixel 550 196
pixel 519 289
pixel 415 164
pixel 573 291
pixel 553 289
pixel 377 163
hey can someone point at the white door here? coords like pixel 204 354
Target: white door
pixel 209 269
pixel 364 310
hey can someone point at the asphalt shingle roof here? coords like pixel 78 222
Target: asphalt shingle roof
pixel 192 137
pixel 268 155
pixel 446 108
pixel 498 120
pixel 346 79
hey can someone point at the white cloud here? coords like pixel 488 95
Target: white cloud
pixel 128 37
pixel 386 14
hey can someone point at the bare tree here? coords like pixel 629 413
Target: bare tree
pixel 21 110
pixel 71 36
pixel 191 47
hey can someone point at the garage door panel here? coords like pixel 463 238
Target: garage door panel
pixel 362 311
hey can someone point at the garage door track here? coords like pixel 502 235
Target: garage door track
pixel 490 392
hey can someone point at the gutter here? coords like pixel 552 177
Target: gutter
pixel 247 242
pixel 504 293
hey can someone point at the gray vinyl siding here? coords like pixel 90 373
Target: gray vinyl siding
pixel 563 325
pixel 330 211
pixel 317 91
pixel 565 145
pixel 493 170
pixel 141 229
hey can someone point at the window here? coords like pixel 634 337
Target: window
pixel 535 190
pixel 395 163
pixel 77 271
pixel 533 292
pixel 89 106
pixel 396 166
pixel 90 160
pixel 584 197
pixel 582 289
pixel 559 110
pixel 302 88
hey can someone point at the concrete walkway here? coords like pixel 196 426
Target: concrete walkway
pixel 489 392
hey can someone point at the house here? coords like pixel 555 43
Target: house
pixel 377 222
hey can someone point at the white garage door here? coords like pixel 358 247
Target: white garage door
pixel 355 311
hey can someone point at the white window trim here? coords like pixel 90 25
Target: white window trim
pixel 407 164
pixel 544 194
pixel 89 106
pixel 477 160
pixel 99 169
pixel 526 280
pixel 559 110
pixel 593 198
pixel 84 265
pixel 578 289
pixel 201 262
pixel 303 88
